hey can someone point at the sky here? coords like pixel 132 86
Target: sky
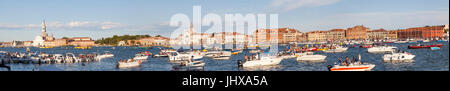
pixel 21 19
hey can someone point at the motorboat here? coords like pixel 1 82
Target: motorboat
pixel 336 50
pixel 176 56
pixel 104 55
pixel 20 58
pixel 4 58
pixel 193 63
pixel 366 46
pixel 58 58
pixel 381 49
pixel 401 56
pixel 71 58
pixel 424 46
pixel 146 53
pixel 352 67
pixel 224 55
pixel 140 57
pixel 289 56
pixel 309 56
pixel 212 53
pixel 312 49
pixel 435 48
pixel 129 63
pixel 401 42
pixel 164 53
pixel 263 61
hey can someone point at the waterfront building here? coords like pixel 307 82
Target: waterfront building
pixel 302 37
pixel 356 33
pixel 446 35
pixel 28 43
pixel 336 34
pixel 154 41
pixel 378 34
pixel 227 38
pixel 289 35
pixel 280 35
pixel 81 41
pixel 317 36
pixel 427 32
pixel 393 34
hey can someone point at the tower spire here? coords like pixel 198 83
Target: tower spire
pixel 44 28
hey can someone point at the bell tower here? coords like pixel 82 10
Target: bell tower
pixel 44 29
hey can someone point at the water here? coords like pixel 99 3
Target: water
pixel 425 60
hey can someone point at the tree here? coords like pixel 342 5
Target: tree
pixel 158 35
pixel 133 42
pixel 65 37
pixel 139 43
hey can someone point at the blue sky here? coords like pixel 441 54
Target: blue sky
pixel 21 19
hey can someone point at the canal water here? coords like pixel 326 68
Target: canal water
pixel 425 60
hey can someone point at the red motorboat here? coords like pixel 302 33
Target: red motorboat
pixel 424 46
pixel 311 49
pixel 366 46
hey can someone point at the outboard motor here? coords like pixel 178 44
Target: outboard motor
pixel 329 67
pixel 239 62
pixel 5 66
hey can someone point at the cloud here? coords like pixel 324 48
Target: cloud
pixel 73 25
pixel 287 5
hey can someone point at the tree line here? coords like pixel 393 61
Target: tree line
pixel 116 39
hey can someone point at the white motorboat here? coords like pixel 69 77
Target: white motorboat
pixel 129 63
pixel 336 50
pixel 212 53
pixel 71 58
pixel 194 64
pixel 140 57
pixel 352 67
pixel 4 58
pixel 401 42
pixel 289 56
pixel 265 60
pixel 164 53
pixel 309 56
pixel 381 49
pixel 58 58
pixel 398 57
pixel 175 56
pixel 222 55
pixel 104 55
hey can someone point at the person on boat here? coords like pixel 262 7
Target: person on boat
pixel 192 58
pixel 340 60
pixel 245 57
pixel 345 62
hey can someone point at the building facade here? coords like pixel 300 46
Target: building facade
pixel 427 32
pixel 356 33
pixel 317 36
pixel 378 34
pixel 336 34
